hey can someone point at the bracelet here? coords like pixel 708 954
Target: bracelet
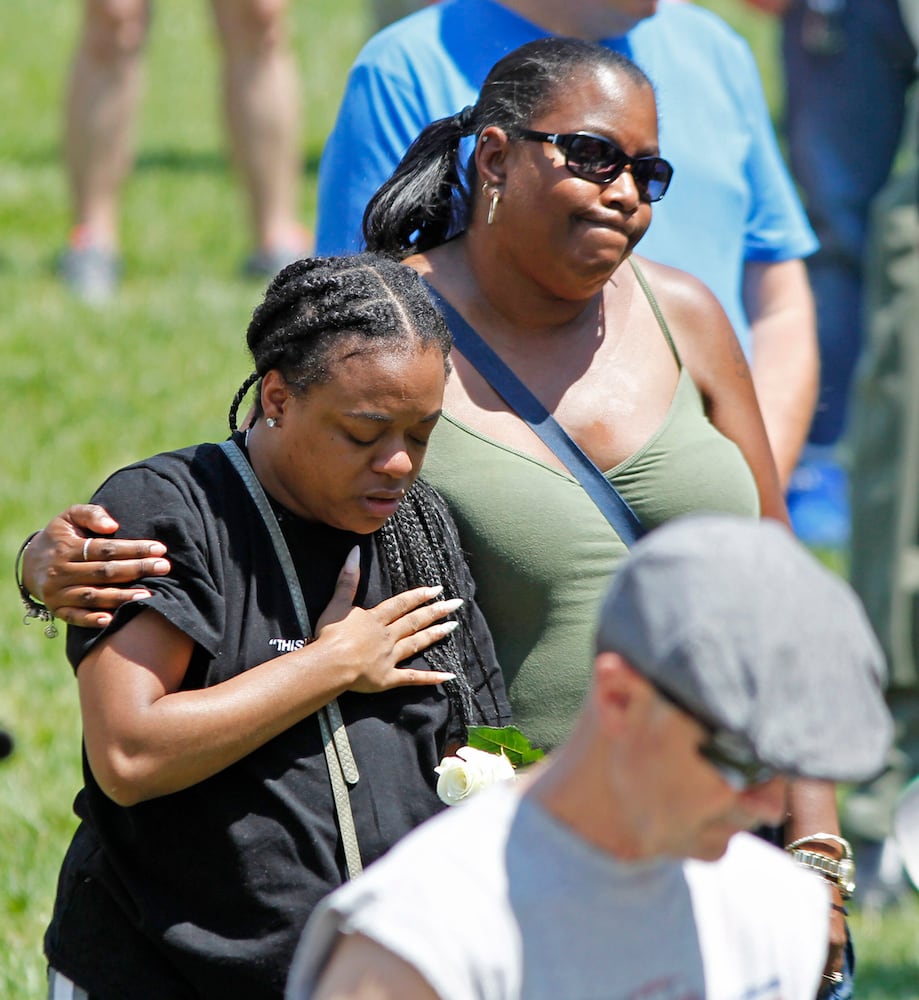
pixel 817 838
pixel 34 609
pixel 839 909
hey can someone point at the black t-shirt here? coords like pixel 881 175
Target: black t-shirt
pixel 203 893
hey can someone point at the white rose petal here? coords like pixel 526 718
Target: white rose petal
pixel 470 771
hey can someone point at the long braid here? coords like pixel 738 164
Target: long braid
pixel 239 397
pixel 420 547
pixel 308 309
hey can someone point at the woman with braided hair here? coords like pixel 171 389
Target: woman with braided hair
pixel 210 824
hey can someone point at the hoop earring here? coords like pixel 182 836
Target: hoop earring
pixel 495 198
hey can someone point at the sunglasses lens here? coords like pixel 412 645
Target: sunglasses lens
pixel 653 177
pixel 738 769
pixel 595 159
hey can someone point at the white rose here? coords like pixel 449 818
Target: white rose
pixel 470 771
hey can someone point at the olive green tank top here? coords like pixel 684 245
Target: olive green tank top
pixel 542 553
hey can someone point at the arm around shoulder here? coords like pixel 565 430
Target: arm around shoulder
pixel 76 573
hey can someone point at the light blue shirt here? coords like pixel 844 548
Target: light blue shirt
pixel 731 199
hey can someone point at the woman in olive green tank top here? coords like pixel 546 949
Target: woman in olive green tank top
pixel 522 520
pixel 557 194
pixel 651 385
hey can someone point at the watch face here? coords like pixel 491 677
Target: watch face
pixel 847 876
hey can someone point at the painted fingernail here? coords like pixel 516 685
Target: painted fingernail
pixel 452 604
pixel 448 627
pixel 434 591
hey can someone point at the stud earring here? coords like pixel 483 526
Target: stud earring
pixel 271 422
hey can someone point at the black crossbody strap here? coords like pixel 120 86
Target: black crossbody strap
pixel 342 766
pixel 522 401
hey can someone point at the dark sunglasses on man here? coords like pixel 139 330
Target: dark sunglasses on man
pixel 729 753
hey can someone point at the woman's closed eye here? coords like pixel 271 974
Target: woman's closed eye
pixel 364 442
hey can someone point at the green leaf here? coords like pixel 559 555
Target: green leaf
pixel 507 740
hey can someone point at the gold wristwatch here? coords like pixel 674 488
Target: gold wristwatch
pixel 841 873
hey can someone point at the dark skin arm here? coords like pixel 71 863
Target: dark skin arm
pixel 812 809
pixel 146 736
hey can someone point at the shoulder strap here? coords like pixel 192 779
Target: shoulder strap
pixel 655 308
pixel 510 388
pixel 342 766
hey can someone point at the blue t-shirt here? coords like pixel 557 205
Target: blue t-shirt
pixel 731 199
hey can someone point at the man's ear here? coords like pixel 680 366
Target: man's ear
pixel 613 688
pixel 618 689
pixel 491 154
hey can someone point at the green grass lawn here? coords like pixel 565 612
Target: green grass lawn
pixel 85 391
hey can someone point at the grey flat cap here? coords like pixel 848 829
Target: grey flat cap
pixel 739 623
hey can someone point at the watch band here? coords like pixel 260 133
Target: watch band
pixel 840 872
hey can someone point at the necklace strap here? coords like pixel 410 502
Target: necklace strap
pixel 339 757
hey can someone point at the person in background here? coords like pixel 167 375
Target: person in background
pixel 882 453
pixel 242 758
pixel 535 250
pixel 387 11
pixel 732 217
pixel 848 65
pixel 621 866
pixel 263 118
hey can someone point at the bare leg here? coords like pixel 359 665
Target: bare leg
pixel 262 99
pixel 104 90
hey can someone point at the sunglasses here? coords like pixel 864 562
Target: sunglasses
pixel 593 158
pixel 735 761
pixel 730 754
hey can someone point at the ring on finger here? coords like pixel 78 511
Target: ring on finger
pixel 86 550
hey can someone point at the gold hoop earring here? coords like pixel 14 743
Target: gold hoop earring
pixel 495 198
